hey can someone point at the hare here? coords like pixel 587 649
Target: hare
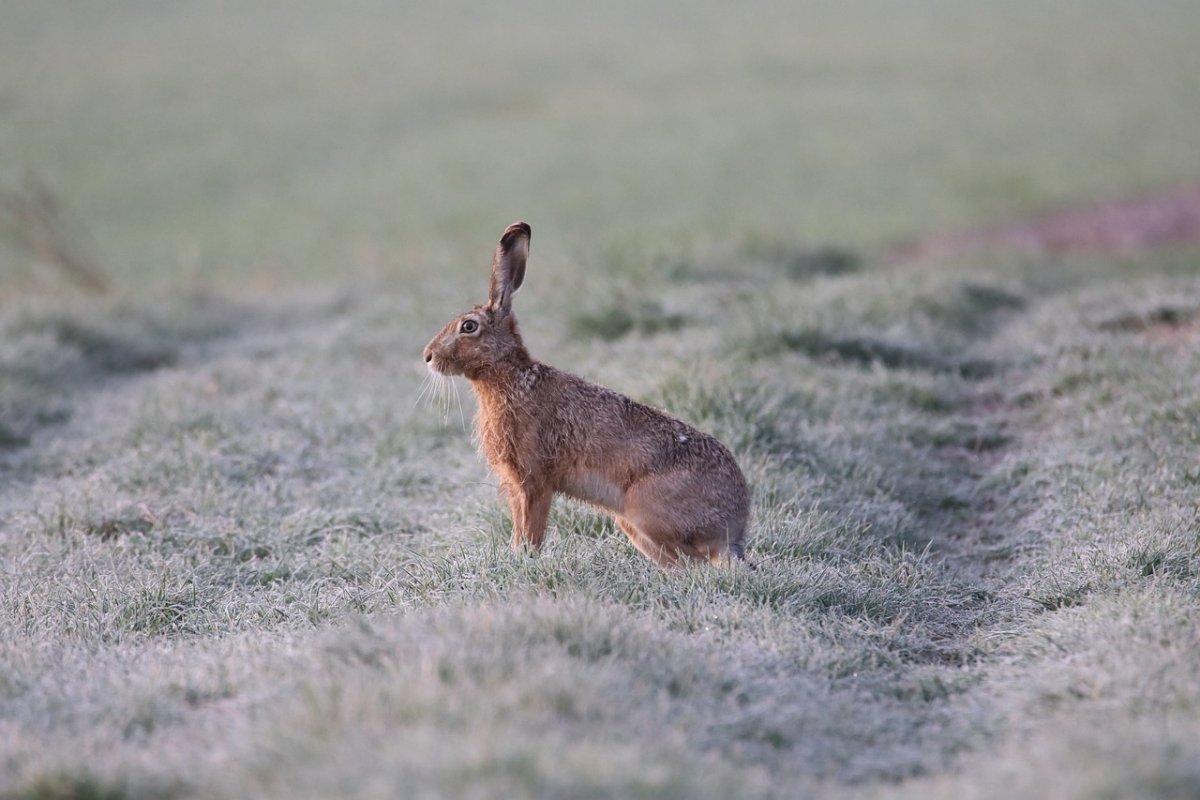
pixel 676 492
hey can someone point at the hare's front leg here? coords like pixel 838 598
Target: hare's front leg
pixel 530 510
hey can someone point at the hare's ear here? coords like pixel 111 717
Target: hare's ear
pixel 508 266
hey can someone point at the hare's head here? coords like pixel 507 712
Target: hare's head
pixel 477 341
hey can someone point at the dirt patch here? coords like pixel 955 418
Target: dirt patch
pixel 1117 226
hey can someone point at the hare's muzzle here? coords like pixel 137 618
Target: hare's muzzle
pixel 434 356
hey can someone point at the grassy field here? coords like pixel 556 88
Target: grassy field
pixel 239 559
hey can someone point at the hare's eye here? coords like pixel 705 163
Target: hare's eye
pixel 469 326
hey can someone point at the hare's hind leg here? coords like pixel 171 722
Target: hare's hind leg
pixel 647 546
pixel 720 554
pixel 680 513
pixel 661 553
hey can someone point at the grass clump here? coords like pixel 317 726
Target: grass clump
pixel 865 351
pixel 645 318
pixel 113 350
pixel 114 527
pixel 805 264
pixel 1163 316
pixel 86 788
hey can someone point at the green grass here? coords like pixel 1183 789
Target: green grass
pixel 237 558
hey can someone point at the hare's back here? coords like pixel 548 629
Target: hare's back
pixel 610 426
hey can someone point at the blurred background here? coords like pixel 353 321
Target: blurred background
pixel 249 145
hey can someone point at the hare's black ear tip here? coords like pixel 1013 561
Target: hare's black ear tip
pixel 513 233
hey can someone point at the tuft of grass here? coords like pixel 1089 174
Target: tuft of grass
pixel 67 788
pixel 646 318
pixel 864 351
pixel 973 308
pixel 115 527
pixel 10 438
pixel 52 357
pixel 1163 316
pixel 805 264
pixel 112 352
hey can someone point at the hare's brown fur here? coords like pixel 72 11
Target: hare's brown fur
pixel 675 491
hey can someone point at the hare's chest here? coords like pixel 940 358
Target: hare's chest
pixel 508 445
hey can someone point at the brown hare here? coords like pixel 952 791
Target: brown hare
pixel 676 492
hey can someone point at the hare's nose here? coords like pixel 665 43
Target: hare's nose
pixel 428 355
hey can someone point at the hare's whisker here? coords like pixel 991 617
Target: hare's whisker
pixel 458 399
pixel 428 389
pixel 435 383
pixel 444 391
pixel 422 389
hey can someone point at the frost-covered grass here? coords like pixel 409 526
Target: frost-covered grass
pixel 238 558
pixel 258 568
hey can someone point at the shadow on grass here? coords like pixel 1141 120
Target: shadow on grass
pixel 865 351
pixel 48 359
pixel 621 319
